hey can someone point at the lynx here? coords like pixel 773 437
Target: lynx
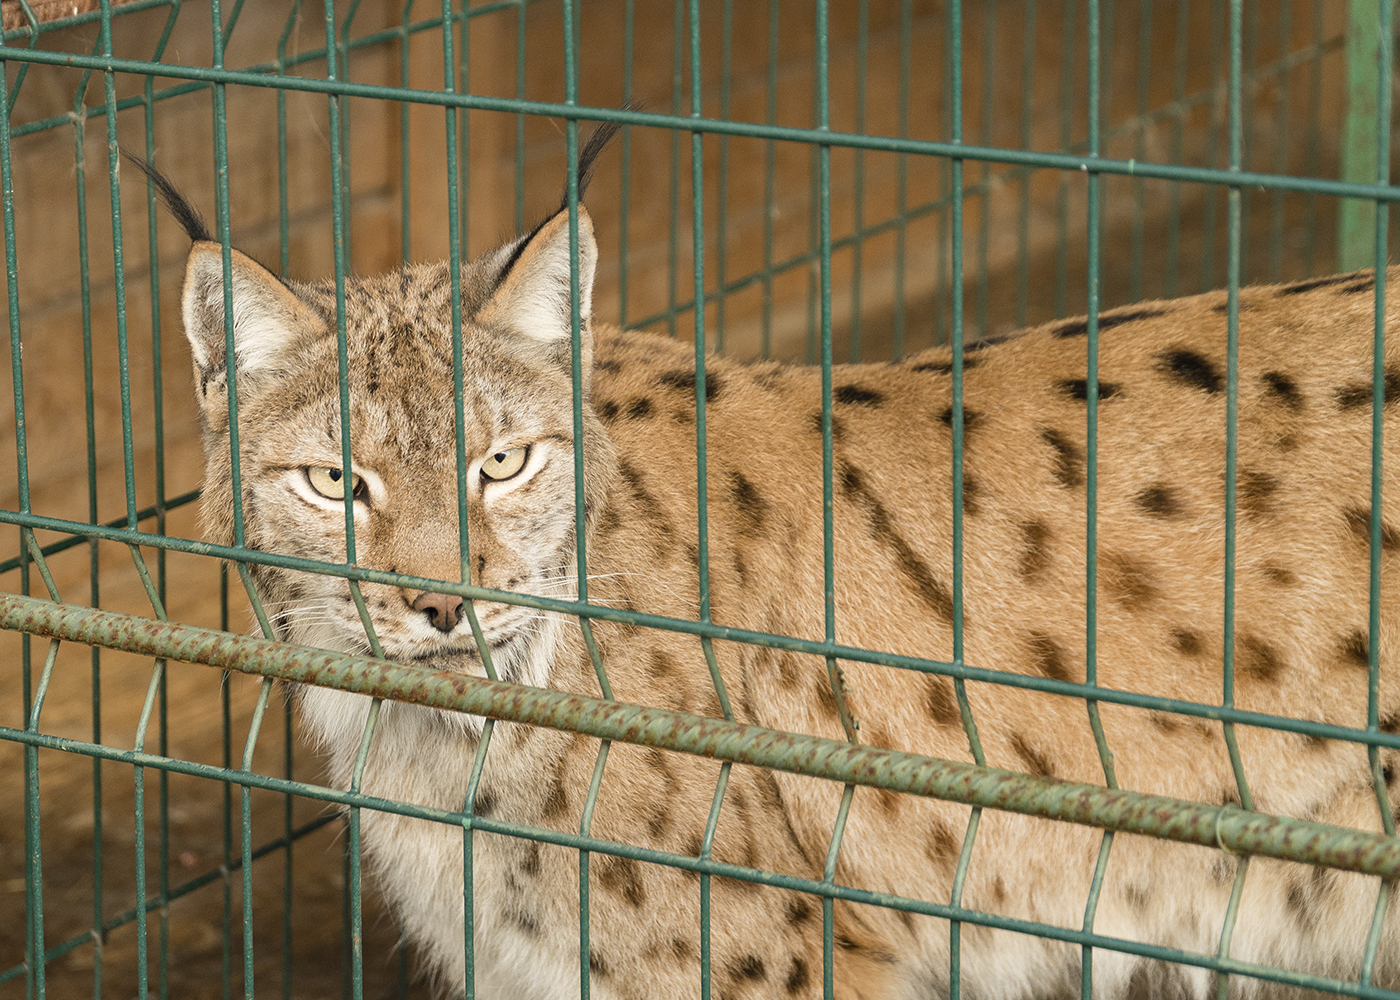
pixel 1301 647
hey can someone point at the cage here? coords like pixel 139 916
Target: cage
pixel 808 182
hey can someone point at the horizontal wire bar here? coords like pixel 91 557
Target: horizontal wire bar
pixel 689 863
pixel 71 541
pixel 154 903
pixel 1227 826
pixel 630 116
pixel 811 647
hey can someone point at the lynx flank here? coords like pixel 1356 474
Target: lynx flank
pixel 1300 600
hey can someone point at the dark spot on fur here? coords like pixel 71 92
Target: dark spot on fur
pixel 651 511
pixel 683 949
pixel 945 367
pixel 608 365
pixel 622 876
pixel 485 803
pixel 1187 642
pixel 1190 369
pixel 1078 388
pixel 1364 285
pixel 1079 327
pixel 639 408
pixel 838 428
pixel 942 706
pixel 889 802
pixel 1069 459
pixel 1388 775
pixel 916 572
pixel 1284 389
pixel 1035 761
pixel 855 395
pixel 799 909
pixel 1139 896
pixel 596 965
pixel 662 666
pixel 971 418
pixel 797 977
pixel 1165 721
pixel 1356 649
pixel 1279 575
pixel 530 863
pixel 685 379
pixel 1258 659
pixel 526 923
pixel 749 967
pixel 1389 723
pixel 556 800
pixel 1159 500
pixel 971 490
pixel 751 507
pixel 1035 555
pixel 1355 394
pixel 1255 491
pixel 942 847
pixel 1298 287
pixel 1048 658
pixel 1129 581
pixel 1230 797
pixel 608 412
pixel 1359 522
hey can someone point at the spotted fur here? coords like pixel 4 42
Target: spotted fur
pixel 1300 644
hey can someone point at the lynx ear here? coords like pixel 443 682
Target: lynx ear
pixel 267 316
pixel 532 295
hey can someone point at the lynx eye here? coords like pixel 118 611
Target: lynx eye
pixel 505 464
pixel 330 483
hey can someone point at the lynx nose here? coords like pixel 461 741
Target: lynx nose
pixel 443 610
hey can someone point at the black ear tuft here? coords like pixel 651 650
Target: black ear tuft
pixel 186 214
pixel 597 142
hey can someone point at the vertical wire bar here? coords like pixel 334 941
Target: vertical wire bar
pixel 1144 83
pixel 984 221
pixel 769 192
pixel 1250 82
pixel 673 246
pixel 283 209
pixel 1385 58
pixel 1236 15
pixel 1023 215
pixel 1281 136
pixel 245 800
pixel 520 119
pixel 858 191
pixel 1314 143
pixel 1172 280
pixel 722 192
pixel 838 831
pixel 342 48
pixel 1066 143
pixel 94 552
pixel 226 759
pixel 625 199
pixel 706 847
pixel 405 170
pixel 901 179
pixel 353 882
pixel 1206 274
pixel 468 844
pixel 1093 279
pixel 955 339
pixel 1360 144
pixel 34 926
pixel 139 832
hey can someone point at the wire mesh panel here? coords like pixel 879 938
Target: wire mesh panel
pixel 792 184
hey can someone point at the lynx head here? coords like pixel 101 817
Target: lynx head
pixel 517 426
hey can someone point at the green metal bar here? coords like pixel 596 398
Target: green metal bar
pixel 146 513
pixel 1212 712
pixel 769 174
pixel 1234 829
pixel 468 840
pixel 246 833
pixel 891 144
pixel 1356 219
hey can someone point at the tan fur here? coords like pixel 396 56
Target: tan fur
pixel 1301 612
